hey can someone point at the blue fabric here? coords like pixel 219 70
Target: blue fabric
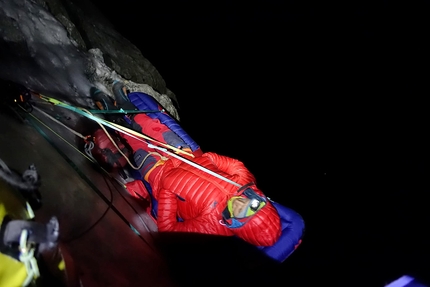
pixel 150 161
pixel 293 226
pixel 137 175
pixel 154 202
pixel 145 102
pixel 292 223
pixel 235 223
pixel 172 139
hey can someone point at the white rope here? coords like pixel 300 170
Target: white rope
pixel 141 137
pixel 130 133
pixel 60 123
pixel 29 211
pixel 89 145
pixel 89 148
pixel 26 256
pixel 195 165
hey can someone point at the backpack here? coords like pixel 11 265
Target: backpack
pixel 105 152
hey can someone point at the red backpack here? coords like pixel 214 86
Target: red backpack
pixel 106 153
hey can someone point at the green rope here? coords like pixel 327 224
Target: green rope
pixel 121 111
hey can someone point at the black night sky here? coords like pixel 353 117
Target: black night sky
pixel 324 102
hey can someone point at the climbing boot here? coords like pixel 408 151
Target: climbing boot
pixel 121 98
pixel 102 101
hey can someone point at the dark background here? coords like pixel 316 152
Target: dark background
pixel 326 105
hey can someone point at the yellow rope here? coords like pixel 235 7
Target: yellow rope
pixel 122 128
pixel 119 150
pixel 142 136
pixel 46 126
pixel 139 136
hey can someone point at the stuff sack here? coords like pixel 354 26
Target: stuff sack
pixel 106 153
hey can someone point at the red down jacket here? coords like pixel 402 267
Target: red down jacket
pixel 199 199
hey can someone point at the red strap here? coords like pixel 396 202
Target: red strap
pixel 137 189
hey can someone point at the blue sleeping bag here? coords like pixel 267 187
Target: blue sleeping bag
pixel 145 102
pixel 292 223
pixel 293 227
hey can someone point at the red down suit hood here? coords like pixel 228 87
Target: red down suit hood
pixel 199 198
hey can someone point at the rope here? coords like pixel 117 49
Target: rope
pixel 55 133
pixel 60 123
pixel 195 165
pixel 90 147
pixel 26 256
pixel 121 111
pixel 114 126
pixel 31 264
pixel 137 136
pixel 130 132
pixel 87 154
pixel 91 184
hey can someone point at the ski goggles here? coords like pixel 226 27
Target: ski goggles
pixel 255 203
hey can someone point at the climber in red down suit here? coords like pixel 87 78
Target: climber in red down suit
pixel 204 203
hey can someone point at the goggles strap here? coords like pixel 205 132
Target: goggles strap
pixel 244 187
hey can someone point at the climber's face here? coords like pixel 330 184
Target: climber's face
pixel 238 205
pixel 240 208
pixel 245 205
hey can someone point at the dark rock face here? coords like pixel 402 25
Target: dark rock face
pixel 119 53
pixel 62 48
